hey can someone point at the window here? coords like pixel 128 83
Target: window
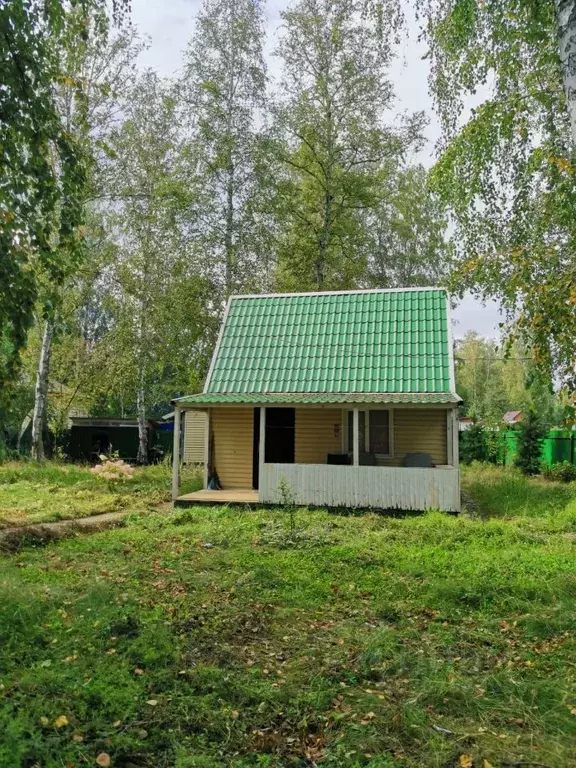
pixel 374 429
pixel 379 434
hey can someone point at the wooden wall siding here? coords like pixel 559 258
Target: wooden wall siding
pixel 364 487
pixel 417 430
pixel 420 431
pixel 194 434
pixel 318 433
pixel 233 435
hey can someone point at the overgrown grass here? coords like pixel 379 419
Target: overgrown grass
pixel 210 637
pixel 506 492
pixel 31 492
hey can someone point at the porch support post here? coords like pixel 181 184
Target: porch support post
pixel 455 438
pixel 206 449
pixel 261 450
pixel 450 436
pixel 355 438
pixel 176 455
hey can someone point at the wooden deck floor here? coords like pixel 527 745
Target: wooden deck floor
pixel 229 496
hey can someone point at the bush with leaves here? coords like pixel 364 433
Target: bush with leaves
pixel 113 471
pixel 473 445
pixel 563 472
pixel 531 433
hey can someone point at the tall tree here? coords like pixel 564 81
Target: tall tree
pixel 158 297
pixel 407 242
pixel 43 169
pixel 492 380
pixel 95 70
pixel 508 171
pixel 225 81
pixel 336 150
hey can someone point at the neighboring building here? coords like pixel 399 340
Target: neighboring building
pixel 347 397
pixel 512 417
pixel 91 438
pixel 465 423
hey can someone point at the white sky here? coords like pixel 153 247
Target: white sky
pixel 169 25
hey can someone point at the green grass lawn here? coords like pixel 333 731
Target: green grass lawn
pixel 210 638
pixel 40 493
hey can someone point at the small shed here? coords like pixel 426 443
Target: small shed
pixel 347 398
pixel 91 437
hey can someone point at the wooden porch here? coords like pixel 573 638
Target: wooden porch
pixel 207 497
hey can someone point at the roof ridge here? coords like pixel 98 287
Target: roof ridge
pixel 410 289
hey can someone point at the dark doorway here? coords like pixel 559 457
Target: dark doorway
pixel 279 436
pixel 256 450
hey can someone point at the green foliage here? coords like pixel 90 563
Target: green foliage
pixel 288 502
pixel 563 472
pixel 46 163
pixel 473 445
pixel 337 156
pixel 247 654
pixel 531 432
pixel 224 87
pixel 407 242
pixel 507 172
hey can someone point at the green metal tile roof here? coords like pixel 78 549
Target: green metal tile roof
pixel 348 342
pixel 307 398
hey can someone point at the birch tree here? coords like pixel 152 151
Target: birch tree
pixel 224 83
pixel 157 294
pixel 38 202
pixel 507 168
pixel 335 146
pixel 407 242
pixel 96 68
pixel 566 21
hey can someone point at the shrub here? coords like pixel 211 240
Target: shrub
pixel 530 436
pixel 563 472
pixel 473 445
pixel 113 471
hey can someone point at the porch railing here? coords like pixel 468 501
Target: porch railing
pixel 360 486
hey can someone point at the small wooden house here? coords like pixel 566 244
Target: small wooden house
pixel 347 398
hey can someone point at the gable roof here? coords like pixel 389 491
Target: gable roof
pixel 512 416
pixel 334 347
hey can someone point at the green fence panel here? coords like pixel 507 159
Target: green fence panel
pixel 557 446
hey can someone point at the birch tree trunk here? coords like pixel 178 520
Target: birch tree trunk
pixel 142 457
pixel 230 266
pixel 566 16
pixel 41 392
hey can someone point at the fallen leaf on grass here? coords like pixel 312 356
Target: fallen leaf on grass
pixel 61 721
pixel 138 671
pixel 44 721
pixel 103 760
pixel 486 764
pixel 152 702
pixel 465 761
pixel 77 738
pixel 573 711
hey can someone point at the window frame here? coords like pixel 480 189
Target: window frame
pixel 346 430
